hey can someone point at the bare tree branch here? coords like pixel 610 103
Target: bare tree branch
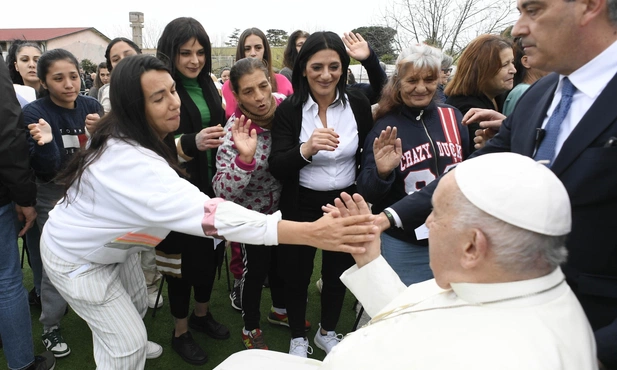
pixel 449 24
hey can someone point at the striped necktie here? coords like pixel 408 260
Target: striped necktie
pixel 546 150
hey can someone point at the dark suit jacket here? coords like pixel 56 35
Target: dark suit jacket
pixel 588 170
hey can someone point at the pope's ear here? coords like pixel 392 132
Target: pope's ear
pixel 475 250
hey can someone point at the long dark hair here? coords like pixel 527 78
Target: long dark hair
pixel 317 42
pixel 126 121
pixel 11 58
pixel 98 83
pixel 114 42
pixel 267 58
pixel 291 53
pixel 176 34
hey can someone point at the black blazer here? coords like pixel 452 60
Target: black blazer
pixel 285 160
pixel 588 170
pixel 190 125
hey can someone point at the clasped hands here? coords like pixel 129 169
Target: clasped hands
pixel 349 207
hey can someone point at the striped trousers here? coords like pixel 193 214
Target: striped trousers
pixel 112 299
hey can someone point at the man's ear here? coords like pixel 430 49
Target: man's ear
pixel 474 252
pixel 525 61
pixel 592 10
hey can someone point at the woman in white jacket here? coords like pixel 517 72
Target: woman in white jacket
pixel 124 195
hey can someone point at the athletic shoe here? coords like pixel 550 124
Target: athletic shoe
pixel 328 341
pixel 236 298
pixel 54 343
pixel 282 319
pixel 44 361
pixel 152 300
pixel 254 339
pixel 153 350
pixel 207 324
pixel 300 347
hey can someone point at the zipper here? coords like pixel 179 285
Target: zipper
pixel 430 139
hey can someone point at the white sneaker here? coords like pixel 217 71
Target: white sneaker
pixel 153 350
pixel 328 341
pixel 152 300
pixel 300 347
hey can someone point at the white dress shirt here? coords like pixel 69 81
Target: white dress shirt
pixel 336 169
pixel 589 81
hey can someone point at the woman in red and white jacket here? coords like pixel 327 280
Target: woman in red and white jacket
pixel 414 140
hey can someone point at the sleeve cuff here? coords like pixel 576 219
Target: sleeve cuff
pixel 245 166
pixel 302 155
pixel 396 217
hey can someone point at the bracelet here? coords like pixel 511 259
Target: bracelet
pixel 389 217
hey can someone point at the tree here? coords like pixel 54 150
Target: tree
pixel 88 66
pixel 448 24
pixel 381 39
pixel 276 37
pixel 233 38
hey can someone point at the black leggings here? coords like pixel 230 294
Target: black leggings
pixel 259 261
pixel 179 289
pixel 296 266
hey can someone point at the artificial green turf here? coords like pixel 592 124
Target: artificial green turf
pixel 78 335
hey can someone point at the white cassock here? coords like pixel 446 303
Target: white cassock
pixel 529 324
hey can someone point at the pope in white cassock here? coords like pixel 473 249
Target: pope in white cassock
pixel 499 299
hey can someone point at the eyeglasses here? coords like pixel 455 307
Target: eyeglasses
pixel 447 70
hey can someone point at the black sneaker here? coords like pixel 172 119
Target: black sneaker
pixel 208 325
pixel 188 349
pixel 44 361
pixel 34 299
pixel 236 298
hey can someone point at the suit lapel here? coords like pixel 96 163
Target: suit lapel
pixel 546 87
pixel 599 116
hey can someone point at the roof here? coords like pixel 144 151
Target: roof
pixel 42 34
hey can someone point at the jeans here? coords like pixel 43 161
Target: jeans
pixel 15 325
pixel 409 261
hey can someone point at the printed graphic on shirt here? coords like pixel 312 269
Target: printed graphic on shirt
pixel 73 139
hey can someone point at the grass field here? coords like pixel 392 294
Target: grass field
pixel 78 335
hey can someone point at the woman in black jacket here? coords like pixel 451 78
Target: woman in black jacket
pixel 317 134
pixel 189 261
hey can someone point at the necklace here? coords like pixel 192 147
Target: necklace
pixel 402 310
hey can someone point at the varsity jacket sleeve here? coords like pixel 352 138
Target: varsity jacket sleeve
pixel 15 175
pixel 285 159
pixel 44 159
pixel 232 175
pixel 415 208
pixel 372 187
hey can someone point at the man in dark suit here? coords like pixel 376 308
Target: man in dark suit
pixel 575 39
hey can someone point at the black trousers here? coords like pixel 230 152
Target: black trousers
pixel 198 274
pixel 259 261
pixel 296 266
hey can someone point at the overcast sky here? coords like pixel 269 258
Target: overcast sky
pixel 219 17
